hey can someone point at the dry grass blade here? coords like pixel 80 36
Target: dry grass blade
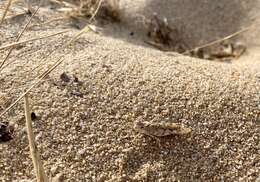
pixel 43 75
pixel 30 40
pixel 33 40
pixel 84 30
pixel 50 21
pixel 6 65
pixel 5 11
pixel 95 13
pixel 107 9
pixel 74 38
pixel 25 27
pixel 221 40
pixel 19 37
pixel 40 174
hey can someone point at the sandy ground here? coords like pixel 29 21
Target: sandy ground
pixel 84 127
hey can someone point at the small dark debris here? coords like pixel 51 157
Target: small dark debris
pixel 33 116
pixel 64 77
pixel 132 34
pixel 75 79
pixel 77 93
pixel 29 12
pixel 107 68
pixel 18 47
pixel 6 133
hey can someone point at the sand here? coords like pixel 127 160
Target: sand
pixel 84 127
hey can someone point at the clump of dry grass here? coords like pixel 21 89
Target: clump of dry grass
pixel 110 9
pixel 106 9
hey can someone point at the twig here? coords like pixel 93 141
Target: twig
pixel 18 38
pixel 40 174
pixel 6 10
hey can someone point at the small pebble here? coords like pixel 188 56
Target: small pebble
pixel 6 132
pixel 33 116
pixel 64 77
pixel 77 93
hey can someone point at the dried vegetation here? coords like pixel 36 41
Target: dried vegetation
pixel 107 9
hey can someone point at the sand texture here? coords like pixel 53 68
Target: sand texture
pixel 84 125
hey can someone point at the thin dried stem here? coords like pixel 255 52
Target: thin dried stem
pixel 222 39
pixel 40 174
pixel 18 38
pixel 96 11
pixel 30 40
pixel 5 11
pixel 49 21
pixel 43 75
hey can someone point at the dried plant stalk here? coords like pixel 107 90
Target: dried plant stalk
pixel 18 38
pixel 40 174
pixel 107 9
pixel 5 11
pixel 30 40
pixel 88 7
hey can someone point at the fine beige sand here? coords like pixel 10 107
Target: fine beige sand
pixel 84 127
